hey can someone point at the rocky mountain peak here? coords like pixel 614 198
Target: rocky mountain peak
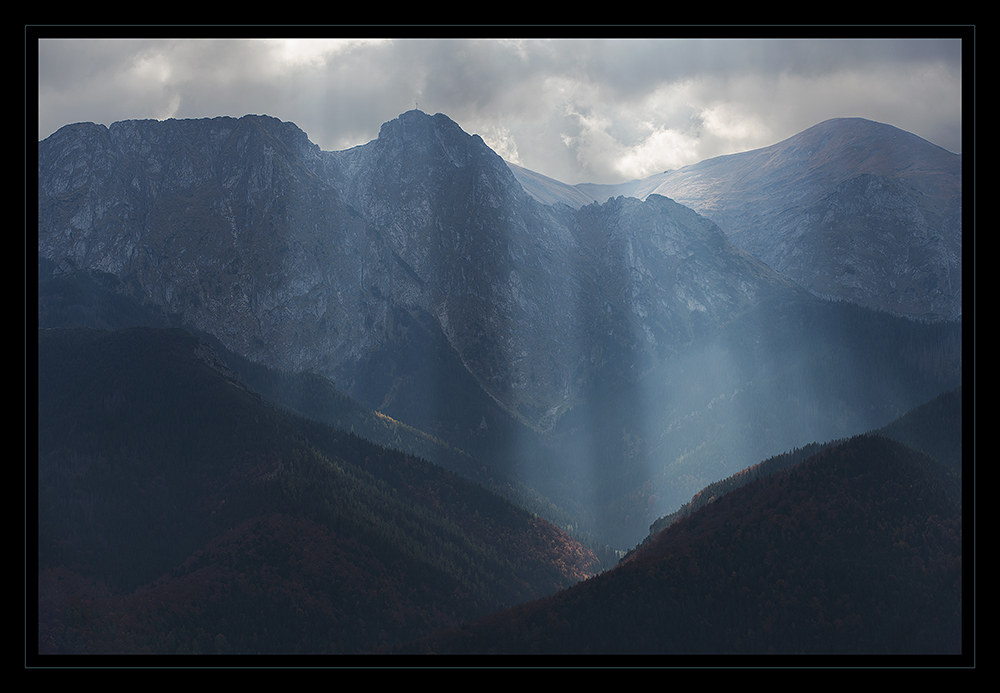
pixel 311 260
pixel 417 150
pixel 883 182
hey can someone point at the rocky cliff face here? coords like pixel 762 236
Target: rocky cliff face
pixel 218 221
pixel 472 249
pixel 871 241
pixel 311 260
pixel 768 202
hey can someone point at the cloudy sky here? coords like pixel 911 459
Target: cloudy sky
pixel 593 110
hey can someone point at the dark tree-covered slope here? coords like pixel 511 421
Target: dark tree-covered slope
pixel 178 511
pixel 934 427
pixel 856 550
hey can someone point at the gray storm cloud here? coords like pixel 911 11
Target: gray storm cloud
pixel 577 110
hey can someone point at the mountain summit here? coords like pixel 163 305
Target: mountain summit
pixel 850 208
pixel 303 259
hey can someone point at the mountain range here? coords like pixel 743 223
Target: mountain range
pixel 594 360
pixel 850 208
pixel 303 260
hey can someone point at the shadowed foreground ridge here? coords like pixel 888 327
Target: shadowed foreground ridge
pixel 179 512
pixel 855 550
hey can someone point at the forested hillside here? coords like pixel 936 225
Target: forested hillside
pixel 934 428
pixel 178 511
pixel 857 549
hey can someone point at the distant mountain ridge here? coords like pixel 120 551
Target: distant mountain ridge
pixel 777 202
pixel 615 357
pixel 303 259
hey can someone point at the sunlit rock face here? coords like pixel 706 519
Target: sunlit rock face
pixel 853 209
pixel 331 261
pixel 871 242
